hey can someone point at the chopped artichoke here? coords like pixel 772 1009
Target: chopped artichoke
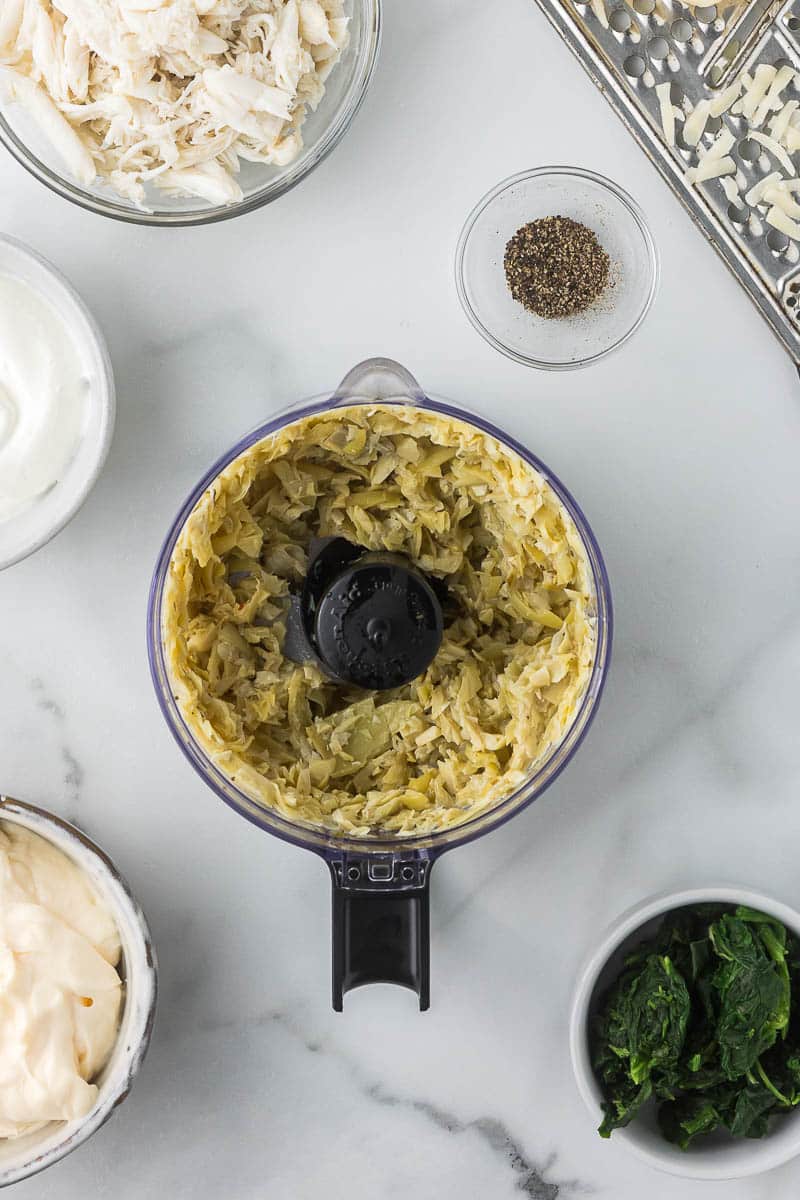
pixel 513 664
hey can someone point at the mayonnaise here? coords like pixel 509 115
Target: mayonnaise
pixel 43 396
pixel 59 991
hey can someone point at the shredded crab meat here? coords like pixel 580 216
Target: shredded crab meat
pixel 505 685
pixel 173 93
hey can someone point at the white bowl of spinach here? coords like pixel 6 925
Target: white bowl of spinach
pixel 685 1032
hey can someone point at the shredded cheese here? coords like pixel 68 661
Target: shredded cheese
pixel 778 197
pixel 695 124
pixel 775 150
pixel 780 123
pixel 757 90
pixel 722 145
pixel 710 168
pixel 779 220
pixel 773 97
pixel 756 194
pixel 730 188
pixel 667 112
pixel 721 103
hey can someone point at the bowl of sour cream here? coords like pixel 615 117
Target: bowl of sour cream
pixel 56 402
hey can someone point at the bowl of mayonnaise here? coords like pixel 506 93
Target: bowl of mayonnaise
pixel 77 989
pixel 56 402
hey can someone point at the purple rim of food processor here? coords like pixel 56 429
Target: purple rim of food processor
pixel 380 885
pixel 434 844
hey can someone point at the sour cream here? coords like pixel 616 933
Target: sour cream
pixel 60 993
pixel 44 395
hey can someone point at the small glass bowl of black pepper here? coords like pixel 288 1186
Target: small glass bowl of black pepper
pixel 556 267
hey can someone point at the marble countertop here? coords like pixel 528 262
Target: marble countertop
pixel 683 451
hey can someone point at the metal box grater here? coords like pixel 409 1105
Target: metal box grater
pixel 630 48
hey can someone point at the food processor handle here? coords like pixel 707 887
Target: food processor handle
pixel 381 926
pixel 380 379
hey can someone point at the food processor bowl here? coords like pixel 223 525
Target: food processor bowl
pixel 381 883
pixel 324 127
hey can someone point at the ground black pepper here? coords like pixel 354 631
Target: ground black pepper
pixel 555 267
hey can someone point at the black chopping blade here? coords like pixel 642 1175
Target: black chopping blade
pixel 369 619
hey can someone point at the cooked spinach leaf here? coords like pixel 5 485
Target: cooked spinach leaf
pixel 681 1120
pixel 705 1019
pixel 644 1030
pixel 753 988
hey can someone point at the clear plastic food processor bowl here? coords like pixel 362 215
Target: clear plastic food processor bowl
pixel 380 884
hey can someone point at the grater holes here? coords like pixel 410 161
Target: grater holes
pixel 644 7
pixel 749 150
pixel 634 66
pixel 706 16
pixel 793 24
pixel 791 302
pixel 658 48
pixel 620 20
pixel 681 30
pixel 778 242
pixel 737 214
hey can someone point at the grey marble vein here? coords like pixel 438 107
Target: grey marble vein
pixel 73 777
pixel 530 1178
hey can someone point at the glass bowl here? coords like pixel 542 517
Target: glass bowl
pixel 576 341
pixel 345 89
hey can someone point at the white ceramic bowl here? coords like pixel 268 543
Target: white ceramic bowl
pixel 718 1156
pixel 32 529
pixel 25 1156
